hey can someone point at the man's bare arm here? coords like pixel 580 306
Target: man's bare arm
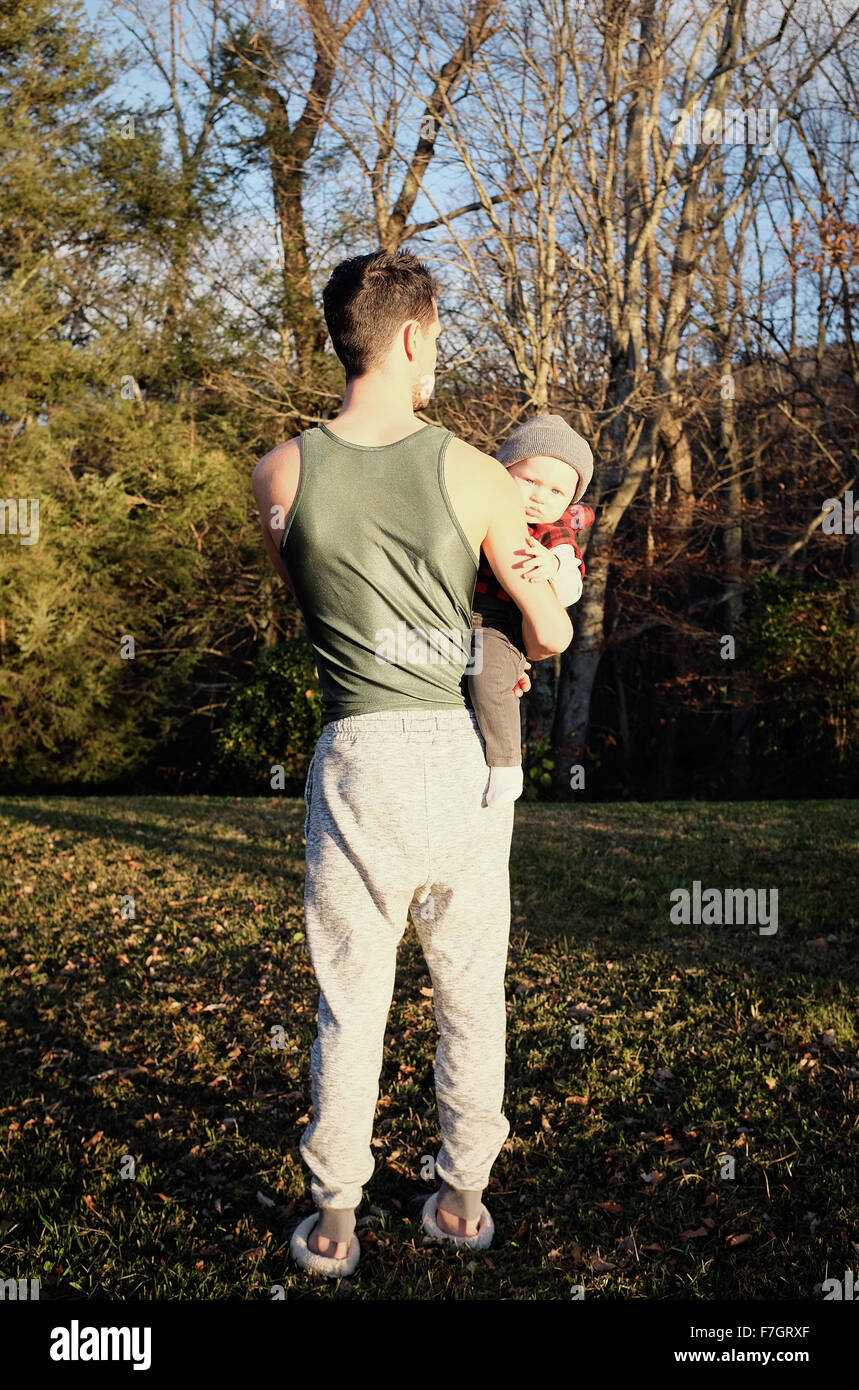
pixel 275 555
pixel 265 483
pixel 546 627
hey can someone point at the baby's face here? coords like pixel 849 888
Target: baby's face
pixel 548 486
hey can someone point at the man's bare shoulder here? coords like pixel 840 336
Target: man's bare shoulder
pixel 282 456
pixel 475 463
pixel 275 478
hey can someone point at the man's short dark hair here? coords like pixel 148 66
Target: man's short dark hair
pixel 366 300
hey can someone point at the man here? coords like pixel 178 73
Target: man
pixel 376 522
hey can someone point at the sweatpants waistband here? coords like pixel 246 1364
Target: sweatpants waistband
pixel 409 721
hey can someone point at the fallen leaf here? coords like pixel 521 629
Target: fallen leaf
pixel 737 1240
pixel 694 1235
pixel 613 1208
pixel 581 1011
pixel 600 1266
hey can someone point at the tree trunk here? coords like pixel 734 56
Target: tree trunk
pixel 580 662
pixel 301 320
pixel 730 466
pixel 539 703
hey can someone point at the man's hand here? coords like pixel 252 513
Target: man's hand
pixel 524 682
pixel 539 562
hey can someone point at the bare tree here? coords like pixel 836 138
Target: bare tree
pixel 180 40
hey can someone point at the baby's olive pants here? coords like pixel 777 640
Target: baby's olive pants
pixel 395 829
pixel 490 688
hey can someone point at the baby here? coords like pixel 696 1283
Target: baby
pixel 553 466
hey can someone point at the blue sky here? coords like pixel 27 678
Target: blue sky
pixel 447 183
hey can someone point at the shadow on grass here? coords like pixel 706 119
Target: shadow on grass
pixel 698 1044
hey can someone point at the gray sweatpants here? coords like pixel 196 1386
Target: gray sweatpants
pixel 395 829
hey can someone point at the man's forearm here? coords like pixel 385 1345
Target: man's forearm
pixel 551 640
pixel 535 651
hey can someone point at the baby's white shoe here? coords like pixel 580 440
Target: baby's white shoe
pixel 505 784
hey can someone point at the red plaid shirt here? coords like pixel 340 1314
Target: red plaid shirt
pixel 577 517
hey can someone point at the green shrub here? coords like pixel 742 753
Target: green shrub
pixel 538 772
pixel 800 653
pixel 273 719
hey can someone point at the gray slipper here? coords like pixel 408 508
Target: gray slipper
pixel 322 1264
pixel 485 1229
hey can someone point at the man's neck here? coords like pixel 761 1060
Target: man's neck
pixel 375 411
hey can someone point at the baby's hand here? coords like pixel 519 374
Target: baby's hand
pixel 539 562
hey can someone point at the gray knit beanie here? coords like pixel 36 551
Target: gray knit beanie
pixel 552 436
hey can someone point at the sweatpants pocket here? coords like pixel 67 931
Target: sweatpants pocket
pixel 308 793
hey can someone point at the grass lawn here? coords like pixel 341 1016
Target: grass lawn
pixel 150 1127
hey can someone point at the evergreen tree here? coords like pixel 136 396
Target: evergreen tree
pixel 143 563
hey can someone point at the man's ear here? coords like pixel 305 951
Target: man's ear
pixel 410 334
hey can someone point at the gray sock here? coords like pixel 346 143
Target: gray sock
pixel 336 1223
pixel 468 1205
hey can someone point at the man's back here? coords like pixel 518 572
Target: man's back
pixel 473 504
pixel 382 571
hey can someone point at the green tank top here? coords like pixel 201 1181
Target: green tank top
pixel 382 572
